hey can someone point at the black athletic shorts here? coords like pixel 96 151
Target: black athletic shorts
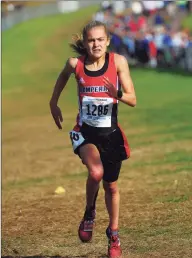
pixel 113 148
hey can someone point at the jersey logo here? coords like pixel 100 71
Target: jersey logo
pixel 90 89
pixel 81 81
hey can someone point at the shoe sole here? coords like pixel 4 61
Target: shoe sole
pixel 85 241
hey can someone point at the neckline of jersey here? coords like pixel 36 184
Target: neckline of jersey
pixel 100 71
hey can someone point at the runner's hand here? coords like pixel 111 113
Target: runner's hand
pixel 57 115
pixel 111 88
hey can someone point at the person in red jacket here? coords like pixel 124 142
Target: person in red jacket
pixel 152 54
pixel 97 137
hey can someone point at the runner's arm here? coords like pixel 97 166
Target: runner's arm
pixel 59 86
pixel 63 79
pixel 126 82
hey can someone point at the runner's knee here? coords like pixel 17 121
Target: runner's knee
pixel 96 173
pixel 110 188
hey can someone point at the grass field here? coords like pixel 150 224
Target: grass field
pixel 155 184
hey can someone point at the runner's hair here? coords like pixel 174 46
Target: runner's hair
pixel 78 45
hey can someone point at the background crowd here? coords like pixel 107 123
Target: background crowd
pixel 150 32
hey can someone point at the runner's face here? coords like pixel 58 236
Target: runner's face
pixel 96 42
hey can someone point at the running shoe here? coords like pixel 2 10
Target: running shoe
pixel 86 226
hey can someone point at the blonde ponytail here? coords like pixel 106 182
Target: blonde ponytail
pixel 78 45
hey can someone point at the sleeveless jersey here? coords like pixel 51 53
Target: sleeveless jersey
pixel 96 107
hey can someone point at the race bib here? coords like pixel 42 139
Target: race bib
pixel 97 111
pixel 76 138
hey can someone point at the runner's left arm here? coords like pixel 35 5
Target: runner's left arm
pixel 126 82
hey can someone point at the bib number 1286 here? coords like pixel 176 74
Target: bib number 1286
pixel 95 110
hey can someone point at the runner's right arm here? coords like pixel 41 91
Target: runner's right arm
pixel 59 86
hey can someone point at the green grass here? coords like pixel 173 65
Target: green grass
pixel 155 183
pixel 21 46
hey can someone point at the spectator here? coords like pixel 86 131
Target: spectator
pixel 152 52
pixel 152 6
pixel 158 19
pixel 129 42
pixel 137 23
pixel 141 48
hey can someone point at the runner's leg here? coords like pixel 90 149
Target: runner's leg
pixel 91 158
